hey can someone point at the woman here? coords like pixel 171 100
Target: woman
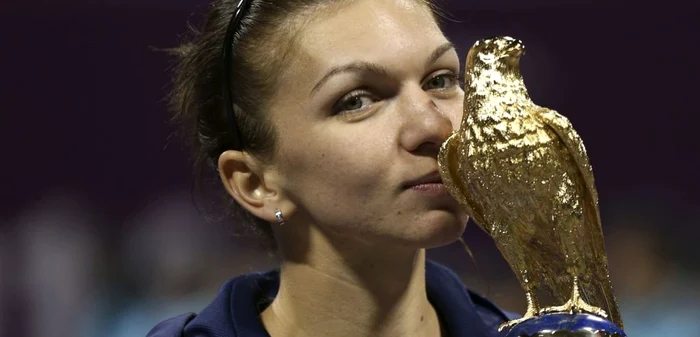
pixel 340 110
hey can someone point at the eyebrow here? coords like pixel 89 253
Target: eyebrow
pixel 368 67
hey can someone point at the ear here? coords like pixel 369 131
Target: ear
pixel 244 177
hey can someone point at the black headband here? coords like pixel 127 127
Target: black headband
pixel 233 25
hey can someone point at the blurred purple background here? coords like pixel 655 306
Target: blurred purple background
pixel 98 233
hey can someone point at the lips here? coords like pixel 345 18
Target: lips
pixel 430 178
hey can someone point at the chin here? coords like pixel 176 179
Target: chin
pixel 436 231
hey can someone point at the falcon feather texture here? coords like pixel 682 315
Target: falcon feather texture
pixel 522 173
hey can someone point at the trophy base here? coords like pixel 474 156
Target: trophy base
pixel 565 325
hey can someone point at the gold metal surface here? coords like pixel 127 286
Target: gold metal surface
pixel 522 173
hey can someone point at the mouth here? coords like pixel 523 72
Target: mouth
pixel 427 181
pixel 429 186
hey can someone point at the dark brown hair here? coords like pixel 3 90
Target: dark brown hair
pixel 266 36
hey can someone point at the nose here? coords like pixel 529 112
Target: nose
pixel 424 125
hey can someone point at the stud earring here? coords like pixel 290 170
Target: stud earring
pixel 279 217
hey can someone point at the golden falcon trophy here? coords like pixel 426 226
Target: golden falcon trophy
pixel 521 172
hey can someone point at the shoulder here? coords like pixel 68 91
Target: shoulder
pixel 458 303
pixel 233 310
pixel 492 315
pixel 172 327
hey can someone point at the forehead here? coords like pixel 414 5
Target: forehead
pixel 380 31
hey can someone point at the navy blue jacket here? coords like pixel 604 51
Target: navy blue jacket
pixel 235 312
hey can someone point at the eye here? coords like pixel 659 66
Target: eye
pixel 441 81
pixel 354 102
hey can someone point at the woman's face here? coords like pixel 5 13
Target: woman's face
pixel 362 109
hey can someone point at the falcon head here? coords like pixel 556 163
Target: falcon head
pixel 495 51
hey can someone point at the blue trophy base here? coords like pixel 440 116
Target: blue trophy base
pixel 565 325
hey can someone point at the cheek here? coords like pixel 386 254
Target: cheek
pixel 335 173
pixel 453 109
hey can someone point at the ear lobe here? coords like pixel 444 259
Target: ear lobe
pixel 242 177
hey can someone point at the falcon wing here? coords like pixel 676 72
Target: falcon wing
pixel 598 286
pixel 563 128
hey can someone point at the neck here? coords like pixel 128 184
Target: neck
pixel 339 290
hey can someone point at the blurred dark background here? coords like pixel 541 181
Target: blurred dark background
pixel 98 232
